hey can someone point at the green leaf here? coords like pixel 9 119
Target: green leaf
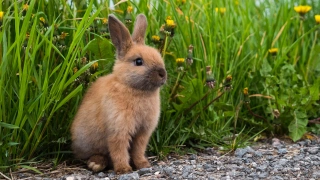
pixel 9 126
pixel 71 95
pixel 265 68
pixel 314 91
pixel 101 48
pixel 297 127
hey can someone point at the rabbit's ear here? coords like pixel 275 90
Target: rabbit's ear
pixel 140 29
pixel 120 36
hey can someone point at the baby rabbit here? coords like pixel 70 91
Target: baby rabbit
pixel 121 110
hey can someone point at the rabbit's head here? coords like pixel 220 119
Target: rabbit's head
pixel 138 66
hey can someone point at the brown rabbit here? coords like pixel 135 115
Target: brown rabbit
pixel 121 110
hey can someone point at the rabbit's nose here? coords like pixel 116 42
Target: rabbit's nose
pixel 162 73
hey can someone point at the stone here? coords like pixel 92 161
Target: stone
pixel 131 176
pixel 169 171
pixel 144 171
pixel 193 157
pixel 313 150
pixel 263 175
pixel 282 151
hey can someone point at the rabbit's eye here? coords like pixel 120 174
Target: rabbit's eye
pixel 138 62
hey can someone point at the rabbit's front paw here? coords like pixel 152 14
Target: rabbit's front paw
pixel 122 169
pixel 144 163
pixel 97 163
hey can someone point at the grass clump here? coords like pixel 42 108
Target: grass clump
pixel 235 69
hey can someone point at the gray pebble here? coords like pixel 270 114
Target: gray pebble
pixel 144 171
pixel 313 150
pixel 263 175
pixel 131 176
pixel 101 174
pixel 193 157
pixel 262 167
pixel 316 174
pixel 282 151
pixel 169 171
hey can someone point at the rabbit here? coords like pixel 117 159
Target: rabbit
pixel 120 111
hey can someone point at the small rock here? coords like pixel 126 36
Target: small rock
pixel 316 174
pixel 258 154
pixel 101 174
pixel 276 178
pixel 282 162
pixel 144 171
pixel 178 162
pixel 282 151
pixel 193 157
pixel 193 162
pixel 262 167
pixel 131 176
pixel 313 150
pixel 186 171
pixel 240 152
pixel 302 143
pixel 168 171
pixel 263 175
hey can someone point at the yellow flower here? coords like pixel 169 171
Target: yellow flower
pixel 42 20
pixel 302 10
pixel 25 7
pixel 180 60
pixel 64 35
pixel 229 78
pixel 155 38
pixel 170 23
pixel 1 15
pixel 104 21
pixel 75 69
pixel 245 91
pixel 129 9
pixel 317 18
pixel 95 65
pixel 221 10
pixel 273 51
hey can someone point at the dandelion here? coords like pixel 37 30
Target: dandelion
pixel 227 83
pixel 95 65
pixel 64 35
pixel 190 55
pixel 317 18
pixel 42 20
pixel 210 81
pixel 75 69
pixel 245 91
pixel 170 23
pixel 302 10
pixel 180 62
pixel 25 7
pixel 155 39
pixel 273 51
pixel 221 10
pixel 276 113
pixel 1 17
pixel 129 9
pixel 104 21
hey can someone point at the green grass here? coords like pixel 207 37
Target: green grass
pixel 44 73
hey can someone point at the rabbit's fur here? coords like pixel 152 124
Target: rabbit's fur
pixel 121 110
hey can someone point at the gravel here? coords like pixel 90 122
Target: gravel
pixel 276 161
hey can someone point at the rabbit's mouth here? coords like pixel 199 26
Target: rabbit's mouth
pixel 150 81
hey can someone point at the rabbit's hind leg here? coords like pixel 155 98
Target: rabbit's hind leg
pixel 97 163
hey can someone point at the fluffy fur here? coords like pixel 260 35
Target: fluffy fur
pixel 121 110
